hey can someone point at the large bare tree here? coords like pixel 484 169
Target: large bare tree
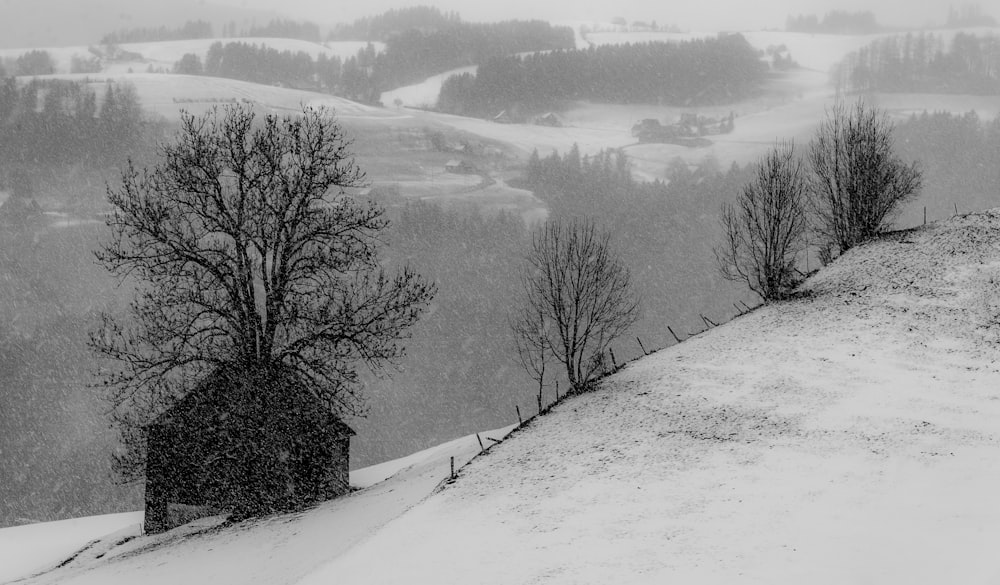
pixel 858 181
pixel 763 229
pixel 247 253
pixel 577 298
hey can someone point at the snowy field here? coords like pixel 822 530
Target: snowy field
pixel 386 491
pixel 424 94
pixel 818 52
pixel 164 54
pixel 849 436
pixel 790 108
pixel 166 94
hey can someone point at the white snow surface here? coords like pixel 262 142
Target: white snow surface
pixel 848 436
pixel 424 94
pixel 274 550
pixel 28 548
pixel 164 54
pixel 167 94
pixel 789 109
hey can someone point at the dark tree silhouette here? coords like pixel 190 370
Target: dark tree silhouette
pixel 248 254
pixel 858 181
pixel 577 298
pixel 763 229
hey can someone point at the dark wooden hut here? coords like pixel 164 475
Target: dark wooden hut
pixel 246 443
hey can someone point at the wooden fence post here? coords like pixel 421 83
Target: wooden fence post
pixel 452 468
pixel 674 334
pixel 519 421
pixel 641 346
pixel 614 363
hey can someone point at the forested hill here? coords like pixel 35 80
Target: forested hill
pixel 416 54
pixel 382 27
pixel 50 122
pixel 418 43
pixel 718 70
pixel 924 62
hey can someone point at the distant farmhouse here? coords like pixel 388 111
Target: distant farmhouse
pixel 231 445
pixel 461 167
pixel 690 130
pixel 549 119
pixel 503 118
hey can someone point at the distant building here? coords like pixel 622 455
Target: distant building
pixel 461 167
pixel 549 119
pixel 503 118
pixel 229 437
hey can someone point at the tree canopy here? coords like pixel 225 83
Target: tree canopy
pixel 248 250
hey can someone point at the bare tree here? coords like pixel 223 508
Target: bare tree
pixel 578 297
pixel 858 181
pixel 247 254
pixel 529 327
pixel 763 229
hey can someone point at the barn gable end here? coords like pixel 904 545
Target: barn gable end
pixel 244 443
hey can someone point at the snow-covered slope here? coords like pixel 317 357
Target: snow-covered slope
pixel 32 547
pixel 108 549
pixel 424 94
pixel 165 54
pixel 789 108
pixel 848 436
pixel 167 94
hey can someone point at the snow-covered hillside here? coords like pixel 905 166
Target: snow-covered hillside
pixel 167 94
pixel 164 54
pixel 848 436
pixel 789 108
pixel 108 549
pixel 423 94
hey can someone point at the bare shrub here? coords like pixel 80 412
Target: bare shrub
pixel 763 229
pixel 858 181
pixel 578 297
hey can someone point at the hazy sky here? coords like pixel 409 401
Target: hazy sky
pixel 691 14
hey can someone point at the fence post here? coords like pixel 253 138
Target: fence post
pixel 641 346
pixel 452 468
pixel 674 334
pixel 519 421
pixel 481 448
pixel 614 363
